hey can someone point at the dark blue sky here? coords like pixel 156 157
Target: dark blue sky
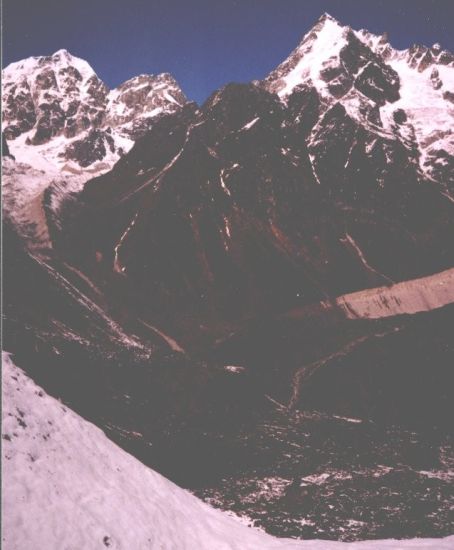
pixel 203 43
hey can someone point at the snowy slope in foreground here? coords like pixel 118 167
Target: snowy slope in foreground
pixel 67 487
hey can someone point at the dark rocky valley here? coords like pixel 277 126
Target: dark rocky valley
pixel 254 296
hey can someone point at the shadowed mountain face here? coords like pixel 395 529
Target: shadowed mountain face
pixel 250 205
pixel 192 289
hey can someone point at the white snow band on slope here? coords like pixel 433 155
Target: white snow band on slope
pixel 67 487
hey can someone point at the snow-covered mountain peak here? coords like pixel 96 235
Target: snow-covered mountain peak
pixel 134 104
pixel 57 110
pixel 64 57
pixel 61 59
pixel 334 59
pixel 407 94
pixel 305 62
pixel 317 39
pixel 50 96
pixel 426 97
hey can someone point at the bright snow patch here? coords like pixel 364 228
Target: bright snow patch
pixel 348 419
pixel 250 124
pixel 234 368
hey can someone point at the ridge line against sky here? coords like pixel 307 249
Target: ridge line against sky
pixel 204 44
